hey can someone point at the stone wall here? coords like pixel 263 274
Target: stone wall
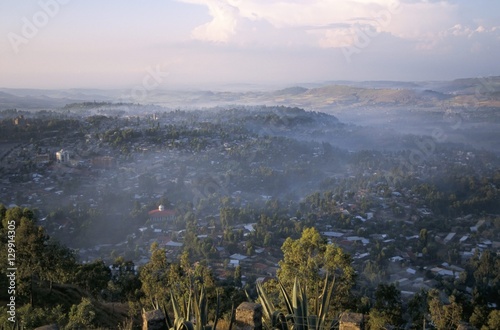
pixel 154 320
pixel 351 321
pixel 248 316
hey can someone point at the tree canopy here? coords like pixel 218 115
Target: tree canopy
pixel 310 259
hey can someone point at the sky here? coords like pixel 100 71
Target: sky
pixel 230 43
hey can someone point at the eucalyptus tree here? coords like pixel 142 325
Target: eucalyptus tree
pixel 310 259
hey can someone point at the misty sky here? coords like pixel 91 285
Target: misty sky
pixel 172 43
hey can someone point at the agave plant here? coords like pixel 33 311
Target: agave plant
pixel 277 319
pixel 298 314
pixel 192 314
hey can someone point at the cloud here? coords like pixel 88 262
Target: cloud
pixel 330 22
pixel 426 25
pixel 459 30
pixel 474 39
pixel 223 23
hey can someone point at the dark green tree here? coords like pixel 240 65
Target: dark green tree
pixel 93 277
pixel 237 276
pixel 388 304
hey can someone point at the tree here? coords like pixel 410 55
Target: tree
pixel 444 316
pixel 3 211
pixel 31 318
pixel 237 276
pixel 125 282
pixel 388 304
pixel 268 239
pixel 479 316
pixel 93 277
pixel 418 309
pixel 310 258
pixel 494 320
pixel 59 263
pixel 378 320
pixel 82 316
pixel 154 277
pixel 30 254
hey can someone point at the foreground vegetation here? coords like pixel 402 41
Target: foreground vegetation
pixel 52 287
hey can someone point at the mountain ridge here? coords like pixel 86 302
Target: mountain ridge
pixel 481 92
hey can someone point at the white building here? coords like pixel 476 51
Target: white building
pixel 62 156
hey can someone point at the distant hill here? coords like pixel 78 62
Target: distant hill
pixel 379 84
pixel 291 91
pixel 471 86
pixel 468 92
pixel 10 101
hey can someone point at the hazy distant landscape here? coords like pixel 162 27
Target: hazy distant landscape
pixel 403 177
pixel 466 109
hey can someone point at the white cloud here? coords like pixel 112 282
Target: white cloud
pixel 332 22
pixel 223 23
pixel 459 30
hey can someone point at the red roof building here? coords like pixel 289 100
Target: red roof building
pixel 161 215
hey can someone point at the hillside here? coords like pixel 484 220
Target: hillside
pixel 49 302
pixel 331 96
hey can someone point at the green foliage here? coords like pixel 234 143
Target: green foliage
pixel 299 314
pixel 31 317
pixel 155 278
pixel 82 316
pixel 38 257
pixel 493 320
pixel 308 257
pixel 93 277
pixel 125 283
pixel 479 317
pixel 378 320
pixel 161 279
pixel 195 308
pixel 237 276
pixel 418 309
pixel 444 316
pixel 388 305
pixel 482 274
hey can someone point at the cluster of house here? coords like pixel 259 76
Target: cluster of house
pixel 408 268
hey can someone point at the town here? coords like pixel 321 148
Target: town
pixel 228 186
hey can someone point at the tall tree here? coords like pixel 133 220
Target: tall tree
pixel 388 303
pixel 30 254
pixel 155 277
pixel 418 309
pixel 310 258
pixel 444 316
pixel 82 316
pixel 93 277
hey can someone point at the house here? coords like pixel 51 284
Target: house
pixel 161 215
pixel 449 237
pixel 62 156
pixel 103 162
